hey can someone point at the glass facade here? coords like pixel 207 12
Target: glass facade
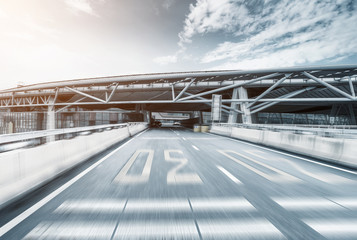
pixel 15 122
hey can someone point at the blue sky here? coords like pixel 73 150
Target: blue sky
pixel 50 40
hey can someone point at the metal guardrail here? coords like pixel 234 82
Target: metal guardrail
pixel 337 131
pixel 14 141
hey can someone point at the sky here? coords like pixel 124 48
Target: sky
pixel 52 40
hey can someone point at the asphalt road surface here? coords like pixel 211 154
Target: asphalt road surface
pixel 171 183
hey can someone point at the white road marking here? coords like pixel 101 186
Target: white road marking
pixel 202 138
pixel 184 138
pixel 91 206
pixel 196 148
pixel 170 229
pixel 160 138
pixel 124 177
pixel 14 222
pixel 245 228
pixel 282 177
pixel 338 228
pixel 219 204
pixel 228 174
pixel 72 230
pixel 258 155
pixel 180 178
pixel 156 205
pixel 348 202
pixel 323 177
pixel 307 204
pixel 290 155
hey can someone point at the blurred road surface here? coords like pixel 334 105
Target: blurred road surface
pixel 171 183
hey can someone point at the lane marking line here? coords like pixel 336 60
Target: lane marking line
pixel 274 178
pixel 72 230
pixel 184 138
pixel 91 206
pixel 172 229
pixel 335 227
pixel 160 138
pixel 196 148
pixel 137 205
pixel 290 155
pixel 221 204
pixel 347 202
pixel 228 174
pixel 18 219
pixel 157 205
pixel 323 177
pixel 307 204
pixel 226 229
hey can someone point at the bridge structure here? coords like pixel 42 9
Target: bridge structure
pixel 247 96
pixel 80 161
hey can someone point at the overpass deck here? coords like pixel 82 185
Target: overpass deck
pixel 170 183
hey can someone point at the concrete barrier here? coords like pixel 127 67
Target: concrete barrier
pixel 25 169
pixel 337 150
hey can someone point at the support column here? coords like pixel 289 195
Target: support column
pixel 51 120
pixel 246 117
pixel 146 115
pixel 137 108
pixel 201 118
pixel 352 114
pixel 333 114
pixel 232 117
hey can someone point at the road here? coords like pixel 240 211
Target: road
pixel 171 183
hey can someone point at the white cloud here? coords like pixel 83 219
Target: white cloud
pixel 166 59
pixel 267 33
pixel 167 4
pixel 81 6
pixel 211 15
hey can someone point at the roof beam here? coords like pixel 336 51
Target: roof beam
pixel 231 86
pixel 210 104
pixel 201 101
pixel 173 91
pixel 269 89
pixel 85 94
pixel 70 104
pixel 112 93
pixel 335 89
pixel 351 87
pixel 184 90
pixel 286 96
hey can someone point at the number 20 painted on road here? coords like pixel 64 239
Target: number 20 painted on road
pixel 173 177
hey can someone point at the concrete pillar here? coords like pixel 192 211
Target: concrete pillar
pixel 149 117
pixel 232 118
pixel 146 115
pixel 10 128
pixel 246 117
pixel 137 108
pixel 51 120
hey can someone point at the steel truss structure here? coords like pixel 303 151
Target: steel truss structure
pixel 312 86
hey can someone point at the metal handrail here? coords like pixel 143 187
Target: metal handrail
pixel 321 130
pixel 16 137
